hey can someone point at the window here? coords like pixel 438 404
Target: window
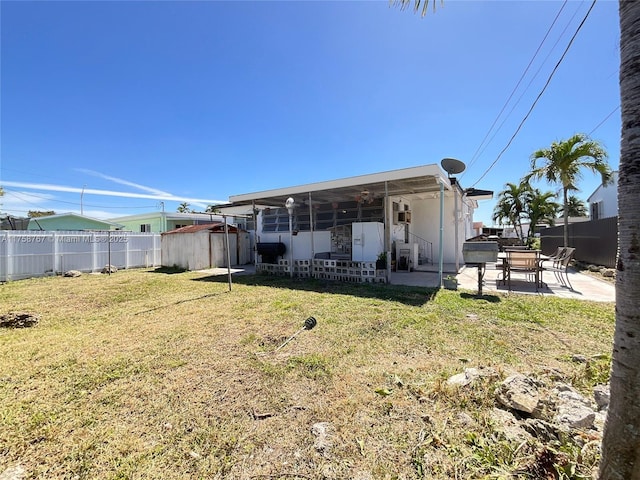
pixel 145 227
pixel 324 215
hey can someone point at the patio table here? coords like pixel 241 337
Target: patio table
pixel 518 261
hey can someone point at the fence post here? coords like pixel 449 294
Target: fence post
pixel 157 250
pixel 3 258
pixel 9 256
pixel 126 254
pixel 94 253
pixel 54 267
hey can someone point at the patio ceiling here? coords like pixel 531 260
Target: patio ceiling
pixel 417 183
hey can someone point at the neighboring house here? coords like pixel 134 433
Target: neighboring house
pixel 71 222
pixel 399 212
pixel 197 247
pixel 159 222
pixel 10 222
pixel 603 202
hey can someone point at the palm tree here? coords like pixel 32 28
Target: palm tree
pixel 184 208
pixel 576 207
pixel 511 206
pixel 540 208
pixel 561 163
pixel 621 440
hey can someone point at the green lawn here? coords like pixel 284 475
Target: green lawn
pixel 166 375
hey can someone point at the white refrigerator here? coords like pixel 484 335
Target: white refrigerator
pixel 367 241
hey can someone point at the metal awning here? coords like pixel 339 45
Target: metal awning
pixel 415 182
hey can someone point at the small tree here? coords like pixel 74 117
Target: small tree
pixel 562 162
pixel 40 213
pixel 184 208
pixel 576 207
pixel 212 209
pixel 541 209
pixel 511 206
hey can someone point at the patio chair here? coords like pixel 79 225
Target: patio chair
pixel 560 265
pixel 523 261
pixel 559 253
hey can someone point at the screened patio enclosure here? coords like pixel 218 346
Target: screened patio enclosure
pixel 409 217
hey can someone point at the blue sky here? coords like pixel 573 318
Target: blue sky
pixel 141 102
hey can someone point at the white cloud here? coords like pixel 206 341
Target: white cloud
pixel 91 191
pixel 144 188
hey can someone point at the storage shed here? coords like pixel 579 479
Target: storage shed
pixel 197 247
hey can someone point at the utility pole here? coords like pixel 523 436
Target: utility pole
pixel 82 195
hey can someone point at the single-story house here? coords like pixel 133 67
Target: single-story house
pixel 159 222
pixel 9 222
pixel 411 218
pixel 197 247
pixel 71 222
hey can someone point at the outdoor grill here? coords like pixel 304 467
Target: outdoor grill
pixel 479 254
pixel 270 251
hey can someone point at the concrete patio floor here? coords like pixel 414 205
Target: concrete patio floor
pixel 585 287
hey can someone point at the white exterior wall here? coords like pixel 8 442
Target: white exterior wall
pixel 425 223
pixel 301 243
pixel 607 197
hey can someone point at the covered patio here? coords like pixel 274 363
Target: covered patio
pixel 412 219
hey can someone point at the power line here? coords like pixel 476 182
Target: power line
pixel 476 154
pixel 604 120
pixel 21 194
pixel 535 102
pixel 535 75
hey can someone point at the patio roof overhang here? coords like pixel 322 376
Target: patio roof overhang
pixel 415 182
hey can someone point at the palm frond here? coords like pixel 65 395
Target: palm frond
pixel 421 6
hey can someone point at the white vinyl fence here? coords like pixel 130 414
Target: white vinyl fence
pixel 25 254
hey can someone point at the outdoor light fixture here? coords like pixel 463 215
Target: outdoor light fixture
pixel 290 204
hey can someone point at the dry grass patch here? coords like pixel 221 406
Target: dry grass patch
pixel 145 374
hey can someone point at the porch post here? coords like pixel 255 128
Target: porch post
pixel 455 220
pixel 255 234
pixel 388 221
pixel 440 247
pixel 313 248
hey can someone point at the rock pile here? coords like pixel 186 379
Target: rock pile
pixel 528 408
pixel 18 320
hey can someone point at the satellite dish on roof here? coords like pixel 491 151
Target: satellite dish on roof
pixel 452 166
